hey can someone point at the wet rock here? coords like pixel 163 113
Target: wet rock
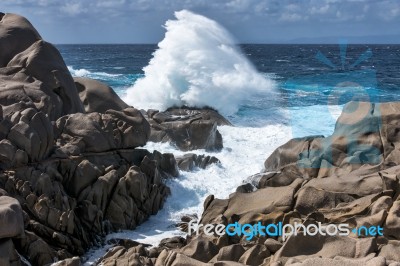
pixel 188 129
pixel 190 161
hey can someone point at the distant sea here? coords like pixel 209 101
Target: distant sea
pixel 312 82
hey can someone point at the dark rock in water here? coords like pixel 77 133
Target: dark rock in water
pixel 189 161
pixel 167 163
pixel 206 114
pixel 188 129
pixel 97 96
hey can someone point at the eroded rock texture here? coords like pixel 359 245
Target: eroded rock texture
pixel 188 129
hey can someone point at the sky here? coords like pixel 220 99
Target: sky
pixel 249 21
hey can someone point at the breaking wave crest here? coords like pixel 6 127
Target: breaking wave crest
pixel 197 64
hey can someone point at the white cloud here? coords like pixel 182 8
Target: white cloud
pixel 290 17
pixel 319 10
pixel 73 9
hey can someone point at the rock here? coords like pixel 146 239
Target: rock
pixel 95 132
pixel 97 96
pixel 188 129
pixel 11 218
pixel 33 135
pixel 190 160
pixel 67 178
pixel 272 245
pixel 261 201
pixel 393 221
pixel 75 261
pixel 369 260
pixel 167 163
pixel 8 254
pixel 16 35
pixel 43 62
pixel 200 249
pixel 245 188
pixel 131 203
pixel 128 253
pixel 391 251
pixel 300 246
pixel 206 113
pixel 254 255
pixel 173 242
pixel 229 253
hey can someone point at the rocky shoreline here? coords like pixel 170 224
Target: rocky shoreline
pixel 72 170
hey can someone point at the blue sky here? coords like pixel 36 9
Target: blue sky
pixel 250 21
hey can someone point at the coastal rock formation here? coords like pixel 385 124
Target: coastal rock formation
pixel 67 178
pixel 187 128
pixel 350 177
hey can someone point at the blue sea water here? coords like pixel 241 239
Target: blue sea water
pixel 302 79
pixel 306 100
pixel 121 65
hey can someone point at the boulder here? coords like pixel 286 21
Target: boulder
pixel 188 129
pixel 189 161
pixel 11 218
pixel 95 132
pixel 16 35
pixel 43 62
pixel 97 96
pixel 33 73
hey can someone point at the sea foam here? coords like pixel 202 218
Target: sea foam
pixel 197 64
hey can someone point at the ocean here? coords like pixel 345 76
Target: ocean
pixel 270 92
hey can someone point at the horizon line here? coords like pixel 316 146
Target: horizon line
pixel 246 43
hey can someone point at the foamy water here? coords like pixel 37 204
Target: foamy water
pixel 245 150
pixel 197 64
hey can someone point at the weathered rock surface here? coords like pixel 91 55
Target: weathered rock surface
pixel 190 161
pixel 188 129
pixel 95 132
pixel 33 73
pixel 98 97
